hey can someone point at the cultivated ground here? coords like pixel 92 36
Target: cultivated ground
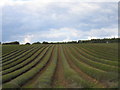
pixel 60 66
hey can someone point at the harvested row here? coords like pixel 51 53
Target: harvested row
pixel 24 77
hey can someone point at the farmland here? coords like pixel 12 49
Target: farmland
pixel 87 65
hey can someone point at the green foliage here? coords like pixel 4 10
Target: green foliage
pixel 94 72
pixel 92 63
pixel 44 81
pixel 28 71
pixel 22 63
pixel 12 43
pixel 72 76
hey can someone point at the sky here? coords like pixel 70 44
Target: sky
pixel 53 21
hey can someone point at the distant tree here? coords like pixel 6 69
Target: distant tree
pixel 12 43
pixel 27 44
pixel 16 42
pixel 79 41
pixel 70 42
pixel 45 42
pixel 36 43
pixel 51 43
pixel 105 40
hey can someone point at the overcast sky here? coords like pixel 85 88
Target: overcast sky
pixel 32 20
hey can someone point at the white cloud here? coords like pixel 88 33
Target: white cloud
pixel 27 38
pixel 19 2
pixel 103 33
pixel 61 20
pixel 63 34
pixel 83 7
pixel 10 2
pixel 90 37
pixel 69 34
pixel 55 33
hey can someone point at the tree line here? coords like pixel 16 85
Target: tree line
pixel 105 40
pixel 11 43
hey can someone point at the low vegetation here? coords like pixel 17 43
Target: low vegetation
pixel 87 65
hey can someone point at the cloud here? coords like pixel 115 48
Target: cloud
pixel 27 38
pixel 104 33
pixel 29 21
pixel 20 2
pixel 69 34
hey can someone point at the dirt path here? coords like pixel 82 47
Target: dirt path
pixel 58 78
pixel 82 74
pixel 34 79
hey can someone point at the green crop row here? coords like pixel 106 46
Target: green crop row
pixel 33 54
pixel 94 48
pixel 97 54
pixel 94 83
pixel 93 72
pixel 21 48
pixel 15 52
pixel 16 60
pixel 10 49
pixel 92 63
pixel 72 76
pixel 9 58
pixel 101 55
pixel 45 79
pixel 6 49
pixel 22 79
pixel 83 66
pixel 26 68
pixel 113 56
pixel 105 51
pixel 104 61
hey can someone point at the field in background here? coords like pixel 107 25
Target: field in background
pixel 60 66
